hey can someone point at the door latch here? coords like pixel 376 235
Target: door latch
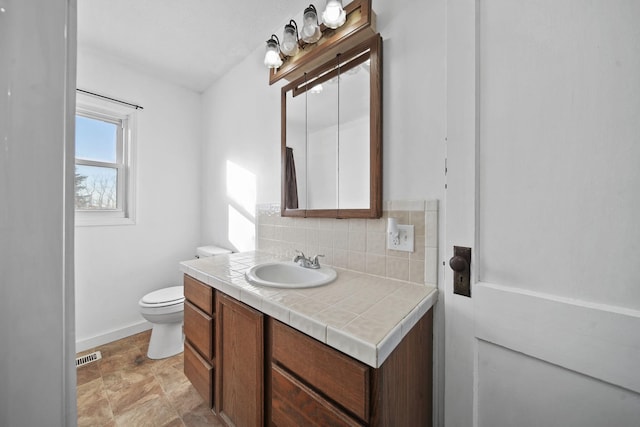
pixel 461 266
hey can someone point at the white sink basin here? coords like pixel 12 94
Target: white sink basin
pixel 287 274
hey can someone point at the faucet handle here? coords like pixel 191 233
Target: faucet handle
pixel 315 262
pixel 300 256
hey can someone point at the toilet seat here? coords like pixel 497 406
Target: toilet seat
pixel 163 297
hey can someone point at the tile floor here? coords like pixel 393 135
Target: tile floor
pixel 126 389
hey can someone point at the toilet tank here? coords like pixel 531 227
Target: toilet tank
pixel 211 250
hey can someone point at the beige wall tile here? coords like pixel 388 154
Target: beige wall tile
pixel 357 241
pixel 431 266
pixel 340 258
pixel 312 236
pixel 340 239
pixel 377 225
pixel 341 225
pixel 356 261
pixel 358 244
pixel 418 249
pixel 376 243
pixel 328 255
pixel 432 229
pixel 376 264
pixel 325 238
pixel 416 272
pixel 357 225
pixel 417 219
pixel 398 268
pixel 325 223
pixel 398 254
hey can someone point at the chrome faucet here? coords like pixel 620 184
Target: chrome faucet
pixel 302 260
pixel 305 262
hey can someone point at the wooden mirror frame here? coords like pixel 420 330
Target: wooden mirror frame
pixel 374 45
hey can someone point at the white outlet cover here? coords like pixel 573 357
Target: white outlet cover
pixel 405 239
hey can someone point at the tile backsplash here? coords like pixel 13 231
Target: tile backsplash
pixel 357 244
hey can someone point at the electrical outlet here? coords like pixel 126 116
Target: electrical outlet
pixel 405 239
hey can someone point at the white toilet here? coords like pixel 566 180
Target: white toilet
pixel 164 308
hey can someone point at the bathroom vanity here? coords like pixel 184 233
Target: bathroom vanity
pixel 290 357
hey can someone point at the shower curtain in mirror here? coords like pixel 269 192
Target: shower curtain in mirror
pixel 291 184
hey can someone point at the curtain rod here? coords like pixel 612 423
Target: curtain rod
pixel 137 107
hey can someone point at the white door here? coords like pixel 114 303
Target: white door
pixel 543 179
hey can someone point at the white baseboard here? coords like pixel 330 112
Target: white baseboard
pixel 98 340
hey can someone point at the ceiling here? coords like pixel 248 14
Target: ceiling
pixel 187 42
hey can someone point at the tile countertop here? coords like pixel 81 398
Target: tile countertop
pixel 361 315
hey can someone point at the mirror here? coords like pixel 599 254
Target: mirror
pixel 332 139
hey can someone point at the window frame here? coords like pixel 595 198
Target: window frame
pixel 125 119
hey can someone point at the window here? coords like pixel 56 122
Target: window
pixel 104 185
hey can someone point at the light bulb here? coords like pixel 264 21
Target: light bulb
pixel 310 30
pixel 272 55
pixel 334 15
pixel 289 44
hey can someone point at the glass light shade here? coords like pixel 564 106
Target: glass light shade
pixel 272 56
pixel 334 15
pixel 310 30
pixel 289 44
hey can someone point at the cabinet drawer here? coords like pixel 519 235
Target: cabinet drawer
pixel 198 328
pixel 339 377
pixel 294 404
pixel 199 372
pixel 199 294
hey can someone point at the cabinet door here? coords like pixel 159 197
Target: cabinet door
pixel 240 363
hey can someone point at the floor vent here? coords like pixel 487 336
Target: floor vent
pixel 88 358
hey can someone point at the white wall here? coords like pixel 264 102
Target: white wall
pixel 37 75
pixel 116 265
pixel 242 116
pixel 414 90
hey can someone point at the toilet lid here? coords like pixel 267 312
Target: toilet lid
pixel 174 294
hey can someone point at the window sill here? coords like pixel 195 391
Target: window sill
pixel 98 220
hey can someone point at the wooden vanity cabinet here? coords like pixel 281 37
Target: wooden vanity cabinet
pixel 313 384
pixel 255 371
pixel 239 379
pixel 199 319
pixel 224 354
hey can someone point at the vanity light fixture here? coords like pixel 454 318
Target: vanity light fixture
pixel 328 28
pixel 334 15
pixel 311 29
pixel 272 57
pixel 289 45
